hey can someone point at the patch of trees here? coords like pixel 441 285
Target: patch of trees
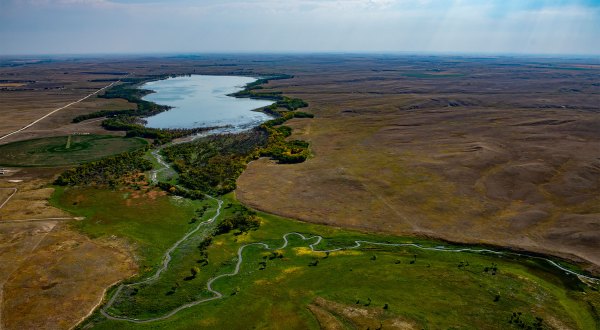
pixel 203 246
pixel 132 125
pixel 217 176
pixel 241 220
pixel 107 171
pixel 256 84
pixel 280 101
pixel 493 269
pixel 525 323
pixel 212 164
pixel 104 113
pixel 280 149
pixel 240 223
pixel 180 191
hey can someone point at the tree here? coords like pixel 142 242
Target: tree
pixel 195 270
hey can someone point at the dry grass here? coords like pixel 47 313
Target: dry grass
pixel 55 283
pixel 31 199
pixel 443 158
pixel 12 84
pixel 332 316
pixel 50 275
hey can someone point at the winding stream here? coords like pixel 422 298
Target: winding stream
pixel 317 240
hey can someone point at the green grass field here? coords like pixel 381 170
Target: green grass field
pixel 65 150
pixel 425 289
pixel 149 221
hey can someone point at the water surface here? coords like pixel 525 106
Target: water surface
pixel 201 101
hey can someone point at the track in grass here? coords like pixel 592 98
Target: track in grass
pixel 65 150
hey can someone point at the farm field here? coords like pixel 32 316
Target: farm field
pixel 65 150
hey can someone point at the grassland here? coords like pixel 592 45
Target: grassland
pixel 496 151
pixel 148 219
pixel 53 276
pixel 422 289
pixel 65 150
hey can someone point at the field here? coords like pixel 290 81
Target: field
pixel 505 154
pixel 300 289
pixel 53 276
pixel 148 219
pixel 45 265
pixel 492 151
pixel 65 150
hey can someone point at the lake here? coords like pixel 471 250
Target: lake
pixel 202 101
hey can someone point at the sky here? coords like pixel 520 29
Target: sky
pixel 276 26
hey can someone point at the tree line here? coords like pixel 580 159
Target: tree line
pixel 108 171
pixel 213 163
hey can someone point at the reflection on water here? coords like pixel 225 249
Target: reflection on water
pixel 201 101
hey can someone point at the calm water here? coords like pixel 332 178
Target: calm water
pixel 200 101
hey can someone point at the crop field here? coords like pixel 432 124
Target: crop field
pixel 65 150
pixel 374 285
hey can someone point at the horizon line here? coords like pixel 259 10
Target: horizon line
pixel 355 52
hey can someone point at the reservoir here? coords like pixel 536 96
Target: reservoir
pixel 202 101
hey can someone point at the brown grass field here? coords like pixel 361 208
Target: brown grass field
pixel 501 155
pixel 54 276
pixel 498 151
pixel 46 266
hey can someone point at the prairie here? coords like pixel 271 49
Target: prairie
pixel 374 285
pixel 494 151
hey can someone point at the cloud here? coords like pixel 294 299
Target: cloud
pixel 537 26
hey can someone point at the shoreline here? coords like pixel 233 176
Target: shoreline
pixel 238 89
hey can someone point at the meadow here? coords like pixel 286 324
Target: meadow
pixel 296 288
pixel 148 219
pixel 66 150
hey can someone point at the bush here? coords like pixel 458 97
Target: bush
pixel 240 222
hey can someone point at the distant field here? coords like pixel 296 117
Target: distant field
pixel 65 150
pixel 432 75
pixel 12 84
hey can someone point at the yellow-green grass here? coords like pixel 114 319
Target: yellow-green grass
pixel 426 287
pixel 65 150
pixel 148 219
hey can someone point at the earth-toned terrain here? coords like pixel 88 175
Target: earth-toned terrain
pixel 495 151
